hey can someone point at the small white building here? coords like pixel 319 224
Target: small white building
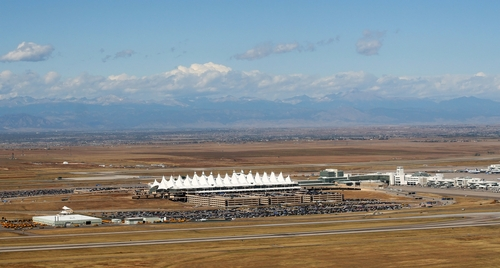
pixel 135 220
pixel 151 219
pixel 493 169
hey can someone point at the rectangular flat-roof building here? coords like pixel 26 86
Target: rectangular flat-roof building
pixel 65 220
pixel 134 220
pixel 258 199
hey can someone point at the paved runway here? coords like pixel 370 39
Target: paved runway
pixel 459 220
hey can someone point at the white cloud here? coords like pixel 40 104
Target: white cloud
pixel 370 43
pixel 127 53
pixel 28 51
pixel 328 41
pixel 266 49
pixel 124 54
pixel 199 69
pixel 121 77
pixel 258 52
pixel 106 58
pixel 211 79
pixel 284 48
pixel 51 77
pixel 345 80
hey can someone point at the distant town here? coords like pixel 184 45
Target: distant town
pixel 421 133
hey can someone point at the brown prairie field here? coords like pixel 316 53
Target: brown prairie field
pixel 36 168
pixel 309 156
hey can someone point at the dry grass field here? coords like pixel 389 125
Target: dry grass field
pixel 452 247
pixel 40 164
pixel 36 168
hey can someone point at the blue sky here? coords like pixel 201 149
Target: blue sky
pixel 262 49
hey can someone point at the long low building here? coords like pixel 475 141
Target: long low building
pixel 255 199
pixel 67 220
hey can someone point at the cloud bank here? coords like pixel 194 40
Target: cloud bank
pixel 28 51
pixel 215 80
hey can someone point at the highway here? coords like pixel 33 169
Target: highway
pixel 456 221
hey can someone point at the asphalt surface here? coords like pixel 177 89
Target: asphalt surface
pixel 448 191
pixel 456 221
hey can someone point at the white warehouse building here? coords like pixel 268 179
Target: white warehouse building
pixel 67 218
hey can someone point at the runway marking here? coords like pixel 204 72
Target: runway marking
pixel 468 222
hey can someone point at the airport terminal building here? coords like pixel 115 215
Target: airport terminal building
pixel 238 190
pixel 417 178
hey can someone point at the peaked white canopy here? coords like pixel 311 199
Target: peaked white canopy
pixel 234 180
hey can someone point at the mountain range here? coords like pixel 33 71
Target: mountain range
pixel 351 108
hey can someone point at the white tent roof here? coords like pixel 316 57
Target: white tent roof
pixel 163 184
pixel 218 180
pixel 235 180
